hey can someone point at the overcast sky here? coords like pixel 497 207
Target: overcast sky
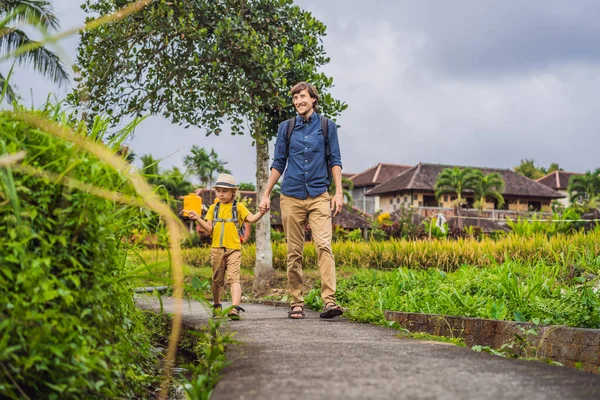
pixel 467 82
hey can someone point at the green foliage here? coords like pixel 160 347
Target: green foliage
pixel 203 350
pixel 565 222
pixel 536 292
pixel 455 181
pixel 585 189
pixel 204 63
pixel 355 235
pixel 209 349
pixel 277 236
pixel 69 327
pixel 313 300
pixel 204 165
pixel 36 14
pixel 490 185
pixel 527 168
pixel 249 186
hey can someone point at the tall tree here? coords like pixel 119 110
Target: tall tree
pixel 207 63
pixel 38 15
pixel 455 181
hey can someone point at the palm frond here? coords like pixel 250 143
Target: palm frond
pixel 43 60
pixel 36 13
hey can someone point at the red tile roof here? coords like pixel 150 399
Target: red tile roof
pixel 378 174
pixel 557 180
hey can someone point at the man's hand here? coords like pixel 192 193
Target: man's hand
pixel 337 202
pixel 265 204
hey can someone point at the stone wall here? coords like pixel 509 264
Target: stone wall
pixel 573 347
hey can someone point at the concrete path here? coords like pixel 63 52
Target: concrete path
pixel 313 358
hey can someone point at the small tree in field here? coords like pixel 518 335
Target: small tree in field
pixel 206 64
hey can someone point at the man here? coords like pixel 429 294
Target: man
pixel 304 194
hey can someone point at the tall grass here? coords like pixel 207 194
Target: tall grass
pixel 562 249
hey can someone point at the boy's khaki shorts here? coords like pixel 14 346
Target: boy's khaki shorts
pixel 225 261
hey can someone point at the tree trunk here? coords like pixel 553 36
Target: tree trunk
pixel 263 269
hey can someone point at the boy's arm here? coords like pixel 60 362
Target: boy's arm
pixel 252 218
pixel 203 224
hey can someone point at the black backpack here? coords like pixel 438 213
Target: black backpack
pixel 324 127
pixel 234 211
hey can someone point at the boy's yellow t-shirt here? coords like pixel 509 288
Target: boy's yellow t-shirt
pixel 231 236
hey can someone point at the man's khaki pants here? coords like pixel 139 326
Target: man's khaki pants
pixel 295 214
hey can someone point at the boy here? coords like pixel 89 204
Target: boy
pixel 225 252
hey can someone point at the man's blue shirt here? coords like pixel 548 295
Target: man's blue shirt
pixel 306 173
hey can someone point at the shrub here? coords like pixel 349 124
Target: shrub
pixel 69 325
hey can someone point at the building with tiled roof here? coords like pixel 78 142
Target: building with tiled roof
pixel 415 187
pixel 368 179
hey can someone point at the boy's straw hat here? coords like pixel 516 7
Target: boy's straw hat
pixel 225 181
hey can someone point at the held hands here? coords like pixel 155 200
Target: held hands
pixel 265 205
pixel 337 202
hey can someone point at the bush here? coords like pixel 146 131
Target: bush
pixel 69 325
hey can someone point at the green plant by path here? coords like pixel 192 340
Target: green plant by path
pixel 68 323
pixel 552 294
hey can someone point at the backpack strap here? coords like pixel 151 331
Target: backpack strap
pixel 325 129
pixel 290 128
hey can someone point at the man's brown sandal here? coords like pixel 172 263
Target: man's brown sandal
pixel 296 314
pixel 234 313
pixel 331 310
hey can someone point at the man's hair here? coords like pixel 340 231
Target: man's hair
pixel 312 91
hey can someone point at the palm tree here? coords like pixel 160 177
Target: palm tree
pixel 585 189
pixel 37 14
pixel 490 185
pixel 199 163
pixel 456 181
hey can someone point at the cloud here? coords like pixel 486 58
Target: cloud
pixel 409 101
